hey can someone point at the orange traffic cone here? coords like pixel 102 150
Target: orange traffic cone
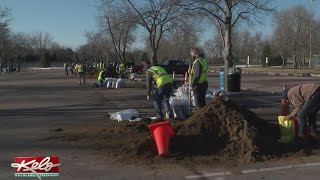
pixel 162 133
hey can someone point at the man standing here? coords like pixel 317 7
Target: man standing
pixel 66 72
pixel 122 69
pixel 101 77
pixel 80 69
pixel 306 101
pixel 198 77
pixel 162 80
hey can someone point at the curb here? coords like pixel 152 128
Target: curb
pixel 277 74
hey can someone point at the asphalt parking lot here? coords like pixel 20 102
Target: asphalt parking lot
pixel 33 103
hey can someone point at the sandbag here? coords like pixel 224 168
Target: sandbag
pixel 125 115
pixel 287 129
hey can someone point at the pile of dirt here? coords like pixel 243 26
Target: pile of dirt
pixel 224 129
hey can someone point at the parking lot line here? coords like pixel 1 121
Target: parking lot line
pixel 265 101
pixel 247 171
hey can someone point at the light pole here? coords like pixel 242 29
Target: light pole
pixel 3 58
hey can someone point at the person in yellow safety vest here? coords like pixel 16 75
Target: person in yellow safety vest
pixel 80 69
pixel 101 77
pixel 122 69
pixel 198 77
pixel 164 86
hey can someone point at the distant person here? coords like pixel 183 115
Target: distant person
pixel 146 66
pixel 102 77
pixel 306 101
pixel 198 77
pixel 65 65
pixel 122 69
pixel 164 86
pixel 80 69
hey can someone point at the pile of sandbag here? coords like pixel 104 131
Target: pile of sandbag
pixel 114 83
pixel 180 101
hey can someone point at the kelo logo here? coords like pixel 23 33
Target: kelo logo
pixel 36 167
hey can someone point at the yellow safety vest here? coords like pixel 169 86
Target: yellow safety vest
pixel 203 76
pixel 80 68
pixel 121 67
pixel 100 76
pixel 160 76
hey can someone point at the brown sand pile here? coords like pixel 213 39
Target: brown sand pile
pixel 219 128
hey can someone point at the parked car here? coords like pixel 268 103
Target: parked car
pixel 178 66
pixel 132 68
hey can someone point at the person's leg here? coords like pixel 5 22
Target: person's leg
pixel 84 78
pixel 158 98
pixel 79 78
pixel 203 92
pixel 167 93
pixel 312 115
pixel 303 116
pixel 197 96
pixel 312 120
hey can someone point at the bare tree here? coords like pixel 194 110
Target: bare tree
pixel 41 41
pixel 157 17
pixel 184 35
pixel 118 21
pixel 225 14
pixel 97 48
pixel 258 45
pixel 291 32
pixel 5 14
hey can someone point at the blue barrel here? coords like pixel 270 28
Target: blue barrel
pixel 221 79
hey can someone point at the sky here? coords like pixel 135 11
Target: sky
pixel 68 20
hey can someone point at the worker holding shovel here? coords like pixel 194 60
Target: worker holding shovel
pixel 198 77
pixel 306 101
pixel 164 86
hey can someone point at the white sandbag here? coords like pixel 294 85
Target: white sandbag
pixel 176 105
pixel 209 98
pixel 125 115
pixel 118 83
pixel 209 91
pixel 114 82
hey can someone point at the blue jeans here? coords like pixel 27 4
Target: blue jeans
pixel 163 94
pixel 308 113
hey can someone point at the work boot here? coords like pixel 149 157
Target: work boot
pixel 314 135
pixel 300 140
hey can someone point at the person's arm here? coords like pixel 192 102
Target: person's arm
pixel 196 74
pixel 297 108
pixel 149 82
